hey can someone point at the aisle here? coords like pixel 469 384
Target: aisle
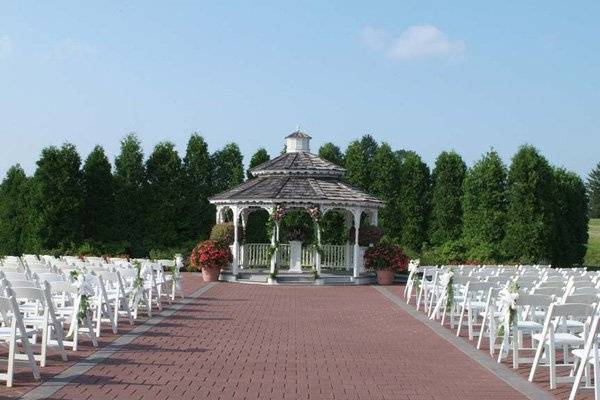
pixel 257 342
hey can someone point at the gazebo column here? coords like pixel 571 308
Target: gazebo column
pixel 348 250
pixel 356 214
pixel 317 254
pixel 236 241
pixel 243 257
pixel 274 239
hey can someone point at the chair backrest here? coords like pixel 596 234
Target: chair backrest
pixel 16 276
pixel 22 284
pixel 534 300
pixel 28 293
pixel 50 277
pixel 585 290
pixel 550 291
pixel 581 298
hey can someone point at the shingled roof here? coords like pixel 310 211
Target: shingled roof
pixel 296 189
pixel 298 163
pixel 297 177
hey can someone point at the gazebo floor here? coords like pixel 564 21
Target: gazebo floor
pixel 285 277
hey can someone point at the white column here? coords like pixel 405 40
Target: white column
pixel 348 224
pixel 357 214
pixel 236 243
pixel 219 214
pixel 317 255
pixel 274 238
pixel 243 255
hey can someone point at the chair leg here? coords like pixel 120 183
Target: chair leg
pixel 44 346
pixel 536 359
pixel 552 360
pixel 482 330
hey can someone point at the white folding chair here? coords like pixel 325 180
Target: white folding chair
pixel 14 332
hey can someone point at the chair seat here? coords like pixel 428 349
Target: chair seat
pixel 561 338
pixel 529 326
pixel 579 354
pixel 571 323
pixel 477 305
pixel 5 332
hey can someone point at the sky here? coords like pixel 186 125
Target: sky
pixel 421 75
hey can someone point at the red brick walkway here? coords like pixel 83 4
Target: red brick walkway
pixel 258 342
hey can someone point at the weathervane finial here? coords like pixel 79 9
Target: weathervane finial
pixel 298 128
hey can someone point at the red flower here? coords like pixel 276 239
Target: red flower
pixel 211 254
pixel 385 257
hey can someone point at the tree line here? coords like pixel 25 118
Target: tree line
pixel 527 212
pixel 141 206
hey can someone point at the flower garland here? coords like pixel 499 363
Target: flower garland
pixel 138 283
pixel 278 213
pixel 315 213
pixel 176 271
pixel 413 268
pixel 508 299
pixel 271 251
pixel 447 282
pixel 85 290
pixel 316 247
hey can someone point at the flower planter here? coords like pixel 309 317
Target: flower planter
pixel 210 274
pixel 386 277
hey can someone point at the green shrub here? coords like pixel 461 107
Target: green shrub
pixel 222 233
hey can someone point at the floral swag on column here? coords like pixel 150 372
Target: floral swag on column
pixel 274 220
pixel 315 213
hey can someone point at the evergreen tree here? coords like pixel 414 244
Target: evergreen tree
pixel 571 219
pixel 446 210
pixel 359 161
pixel 98 205
pixel 484 208
pixel 332 153
pixel 58 198
pixel 196 189
pixel 129 195
pixel 414 203
pixel 530 217
pixel 260 157
pixel 386 186
pixel 164 207
pixel 593 187
pixel 228 168
pixel 14 211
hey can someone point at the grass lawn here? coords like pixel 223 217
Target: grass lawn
pixel 593 253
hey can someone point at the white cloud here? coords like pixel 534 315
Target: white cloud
pixel 417 41
pixel 5 46
pixel 71 49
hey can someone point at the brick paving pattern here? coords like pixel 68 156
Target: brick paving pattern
pixel 542 377
pixel 258 342
pixel 23 380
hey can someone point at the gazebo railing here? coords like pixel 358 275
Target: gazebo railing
pixel 334 256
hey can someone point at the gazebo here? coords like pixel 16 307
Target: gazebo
pixel 297 180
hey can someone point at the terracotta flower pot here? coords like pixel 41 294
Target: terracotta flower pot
pixel 210 274
pixel 385 276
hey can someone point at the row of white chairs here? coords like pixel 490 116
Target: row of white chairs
pixel 546 311
pixel 48 302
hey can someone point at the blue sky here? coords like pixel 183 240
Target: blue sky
pixel 426 76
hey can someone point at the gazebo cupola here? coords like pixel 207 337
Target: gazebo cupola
pixel 297 179
pixel 297 142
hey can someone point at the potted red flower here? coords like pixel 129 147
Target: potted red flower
pixel 385 259
pixel 210 257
